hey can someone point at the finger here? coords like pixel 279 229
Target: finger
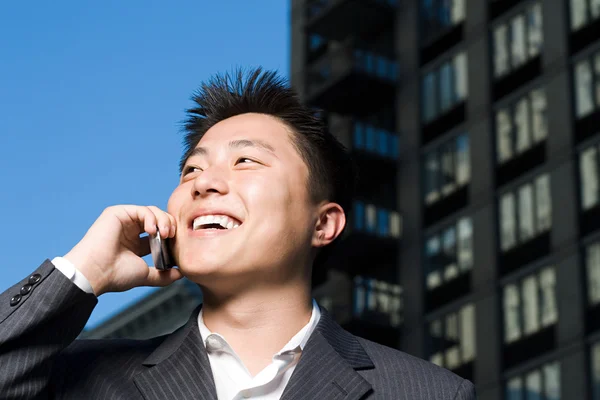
pixel 142 246
pixel 173 225
pixel 163 221
pixel 162 278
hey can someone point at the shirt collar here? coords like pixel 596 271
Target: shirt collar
pixel 299 340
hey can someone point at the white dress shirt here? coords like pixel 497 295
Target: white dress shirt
pixel 232 379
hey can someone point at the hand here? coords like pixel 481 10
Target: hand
pixel 109 255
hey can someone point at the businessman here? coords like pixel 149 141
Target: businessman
pixel 263 193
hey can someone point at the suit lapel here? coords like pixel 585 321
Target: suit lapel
pixel 179 367
pixel 327 367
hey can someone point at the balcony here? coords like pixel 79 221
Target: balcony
pixel 339 19
pixel 348 80
pixel 369 308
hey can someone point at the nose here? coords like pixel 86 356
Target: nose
pixel 211 180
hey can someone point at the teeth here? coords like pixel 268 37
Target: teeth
pixel 222 220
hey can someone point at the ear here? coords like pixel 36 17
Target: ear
pixel 330 225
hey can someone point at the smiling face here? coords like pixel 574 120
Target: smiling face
pixel 244 171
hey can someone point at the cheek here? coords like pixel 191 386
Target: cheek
pixel 175 200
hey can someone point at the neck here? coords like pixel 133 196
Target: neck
pixel 257 323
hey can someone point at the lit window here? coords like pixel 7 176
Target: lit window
pixel 446 168
pixel 518 40
pixel 449 255
pixel 595 361
pixel 583 88
pixel 538 111
pixel 534 30
pixel 465 244
pixel 512 314
pixel 526 220
pixel 432 175
pixel 445 87
pixel 578 14
pixel 371 218
pixel 533 385
pixel 514 389
pixel 439 15
pixel 588 169
pixel 518 53
pixel 501 57
pixel 507 221
pixel 548 297
pixel 463 164
pixel 432 251
pixel 542 383
pixel 593 273
pixel 521 125
pixel 530 305
pixel 504 136
pixel 452 338
pixel 597 75
pixel 534 210
pixel 552 381
pixel 373 296
pixel 543 204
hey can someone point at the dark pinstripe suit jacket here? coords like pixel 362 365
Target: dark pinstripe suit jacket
pixel 40 358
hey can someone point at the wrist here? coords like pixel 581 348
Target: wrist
pixel 88 269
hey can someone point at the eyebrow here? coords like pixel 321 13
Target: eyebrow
pixel 236 145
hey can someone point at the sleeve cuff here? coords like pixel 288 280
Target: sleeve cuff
pixel 67 268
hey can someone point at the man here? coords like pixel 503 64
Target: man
pixel 263 190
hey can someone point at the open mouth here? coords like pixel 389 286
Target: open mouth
pixel 215 222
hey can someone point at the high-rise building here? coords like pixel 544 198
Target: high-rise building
pixel 474 241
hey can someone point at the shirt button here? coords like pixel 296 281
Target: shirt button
pixel 35 278
pixel 15 300
pixel 25 290
pixel 246 394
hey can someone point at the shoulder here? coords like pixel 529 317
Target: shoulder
pixel 106 356
pixel 398 371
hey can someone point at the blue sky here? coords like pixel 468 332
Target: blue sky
pixel 92 95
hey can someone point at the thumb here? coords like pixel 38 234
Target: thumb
pixel 162 278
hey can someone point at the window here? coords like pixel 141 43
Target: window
pixel 592 261
pixel 377 221
pixel 521 125
pixel 444 87
pixel 525 213
pixel 530 305
pixel 587 85
pixel 518 40
pixel 595 364
pixel 583 12
pixel 542 383
pixel 438 15
pixel 590 180
pixel 372 297
pixel 446 169
pixel 380 142
pixel 452 338
pixel 449 253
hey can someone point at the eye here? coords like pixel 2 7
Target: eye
pixel 189 169
pixel 244 158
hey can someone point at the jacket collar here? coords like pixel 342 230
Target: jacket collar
pixel 179 367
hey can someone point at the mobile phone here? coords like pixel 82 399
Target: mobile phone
pixel 161 252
